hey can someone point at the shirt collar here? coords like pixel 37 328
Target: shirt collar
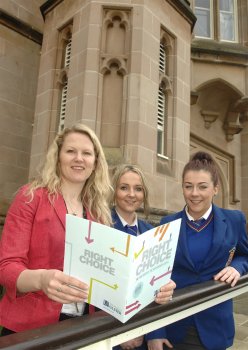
pixel 123 221
pixel 205 216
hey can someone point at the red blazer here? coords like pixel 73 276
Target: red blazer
pixel 33 238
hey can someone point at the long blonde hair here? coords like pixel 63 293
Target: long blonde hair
pixel 123 169
pixel 97 188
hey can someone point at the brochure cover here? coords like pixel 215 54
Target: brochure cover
pixel 124 272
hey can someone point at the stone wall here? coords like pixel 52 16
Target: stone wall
pixel 19 65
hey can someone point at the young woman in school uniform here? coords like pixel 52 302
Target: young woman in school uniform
pixel 131 193
pixel 212 246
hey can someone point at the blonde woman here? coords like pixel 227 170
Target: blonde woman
pixel 74 180
pixel 131 193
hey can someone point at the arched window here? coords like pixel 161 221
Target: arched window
pixel 164 92
pixel 64 81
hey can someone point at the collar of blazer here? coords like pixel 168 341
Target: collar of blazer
pixel 61 211
pixel 60 208
pixel 220 228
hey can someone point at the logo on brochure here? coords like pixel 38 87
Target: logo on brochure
pixel 138 289
pixel 111 307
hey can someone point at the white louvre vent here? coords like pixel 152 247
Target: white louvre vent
pixel 162 59
pixel 68 54
pixel 62 108
pixel 65 87
pixel 160 122
pixel 161 105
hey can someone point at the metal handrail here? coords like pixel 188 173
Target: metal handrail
pixel 102 331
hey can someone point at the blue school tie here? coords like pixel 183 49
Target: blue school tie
pixel 199 222
pixel 132 230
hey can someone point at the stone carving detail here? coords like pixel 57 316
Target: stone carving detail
pixel 165 83
pixel 115 36
pixel 194 97
pixel 209 117
pixel 114 63
pixel 234 117
pixel 62 61
pixel 62 77
pixel 115 46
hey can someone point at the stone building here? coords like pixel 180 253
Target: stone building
pixel 153 85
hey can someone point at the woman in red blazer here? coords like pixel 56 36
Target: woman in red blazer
pixel 75 181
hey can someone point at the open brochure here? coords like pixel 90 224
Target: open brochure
pixel 123 272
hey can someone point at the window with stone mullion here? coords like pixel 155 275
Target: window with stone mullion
pixel 227 20
pixel 216 19
pixel 204 14
pixel 162 103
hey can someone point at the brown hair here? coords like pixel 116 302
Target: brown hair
pixel 202 161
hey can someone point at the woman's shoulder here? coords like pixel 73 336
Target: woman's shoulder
pixel 26 191
pixel 230 213
pixel 144 224
pixel 25 202
pixel 26 197
pixel 113 212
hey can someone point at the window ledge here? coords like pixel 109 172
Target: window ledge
pixel 218 47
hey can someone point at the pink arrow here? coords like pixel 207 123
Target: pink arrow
pixel 133 304
pixel 132 309
pixel 88 239
pixel 157 278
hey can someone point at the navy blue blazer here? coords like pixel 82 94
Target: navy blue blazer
pixel 215 325
pixel 143 226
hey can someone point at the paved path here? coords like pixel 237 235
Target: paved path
pixel 241 337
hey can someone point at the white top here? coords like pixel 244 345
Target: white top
pixel 73 309
pixel 205 216
pixel 124 223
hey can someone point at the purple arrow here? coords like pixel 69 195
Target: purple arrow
pixel 88 239
pixel 157 278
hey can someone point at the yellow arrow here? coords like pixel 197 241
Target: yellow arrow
pixel 136 255
pixel 164 230
pixel 115 286
pixel 127 247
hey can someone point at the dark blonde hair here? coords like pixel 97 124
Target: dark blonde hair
pixel 202 161
pixel 123 169
pixel 97 188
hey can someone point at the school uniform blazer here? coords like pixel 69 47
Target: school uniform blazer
pixel 215 325
pixel 143 226
pixel 33 238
